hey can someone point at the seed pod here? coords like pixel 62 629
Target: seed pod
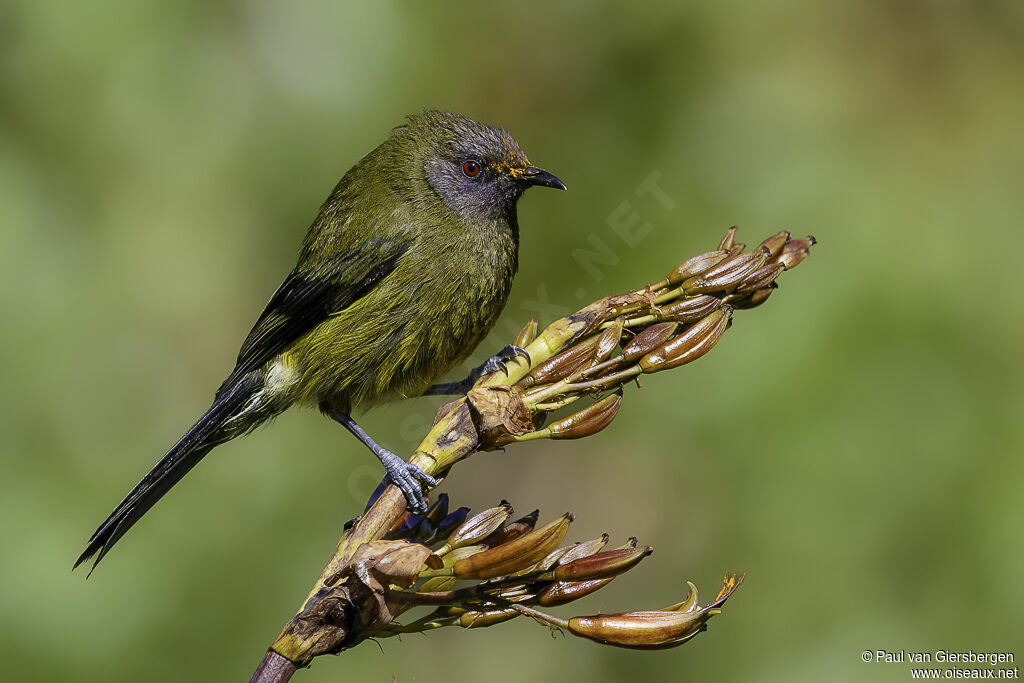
pixel 479 526
pixel 760 278
pixel 726 275
pixel 695 265
pixel 690 309
pixel 564 364
pixel 795 251
pixel 752 300
pixel 601 565
pixel 527 334
pixel 609 340
pixel 588 421
pixel 648 340
pixel 729 239
pixel 516 555
pixel 774 243
pixel 512 530
pixel 690 345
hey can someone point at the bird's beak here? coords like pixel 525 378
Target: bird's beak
pixel 531 175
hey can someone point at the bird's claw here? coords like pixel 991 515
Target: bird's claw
pixel 407 477
pixel 498 361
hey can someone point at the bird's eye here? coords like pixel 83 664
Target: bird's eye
pixel 471 168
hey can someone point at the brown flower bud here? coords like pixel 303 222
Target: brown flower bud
pixel 695 265
pixel 648 340
pixel 795 251
pixel 528 333
pixel 452 521
pixel 760 278
pixel 774 243
pixel 478 527
pixel 552 558
pixel 564 364
pixel 640 630
pixel 450 558
pixel 562 592
pixel 609 340
pixel 601 565
pixel 726 275
pixel 653 629
pixel 690 309
pixel 476 619
pixel 729 239
pixel 753 299
pixel 515 555
pixel 588 421
pixel 512 530
pixel 584 549
pixel 691 344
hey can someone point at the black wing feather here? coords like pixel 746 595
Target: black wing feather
pixel 305 300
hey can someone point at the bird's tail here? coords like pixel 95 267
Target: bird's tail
pixel 211 429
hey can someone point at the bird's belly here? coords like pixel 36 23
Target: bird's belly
pixel 383 350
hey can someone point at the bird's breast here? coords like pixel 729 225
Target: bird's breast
pixel 426 317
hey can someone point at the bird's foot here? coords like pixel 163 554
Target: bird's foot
pixel 407 477
pixel 496 362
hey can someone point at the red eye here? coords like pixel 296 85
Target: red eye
pixel 471 168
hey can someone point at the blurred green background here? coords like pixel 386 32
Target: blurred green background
pixel 854 445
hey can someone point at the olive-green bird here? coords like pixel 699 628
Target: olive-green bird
pixel 404 271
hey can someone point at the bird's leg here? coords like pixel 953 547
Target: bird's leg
pixel 402 474
pixel 492 364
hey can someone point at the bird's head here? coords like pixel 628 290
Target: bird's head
pixel 476 170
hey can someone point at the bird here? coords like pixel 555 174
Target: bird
pixel 403 272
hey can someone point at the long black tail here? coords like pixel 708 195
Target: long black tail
pixel 183 456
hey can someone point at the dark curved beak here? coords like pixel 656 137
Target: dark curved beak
pixel 532 175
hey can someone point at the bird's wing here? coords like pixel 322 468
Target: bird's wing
pixel 307 298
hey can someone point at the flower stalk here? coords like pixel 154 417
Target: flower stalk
pixel 592 354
